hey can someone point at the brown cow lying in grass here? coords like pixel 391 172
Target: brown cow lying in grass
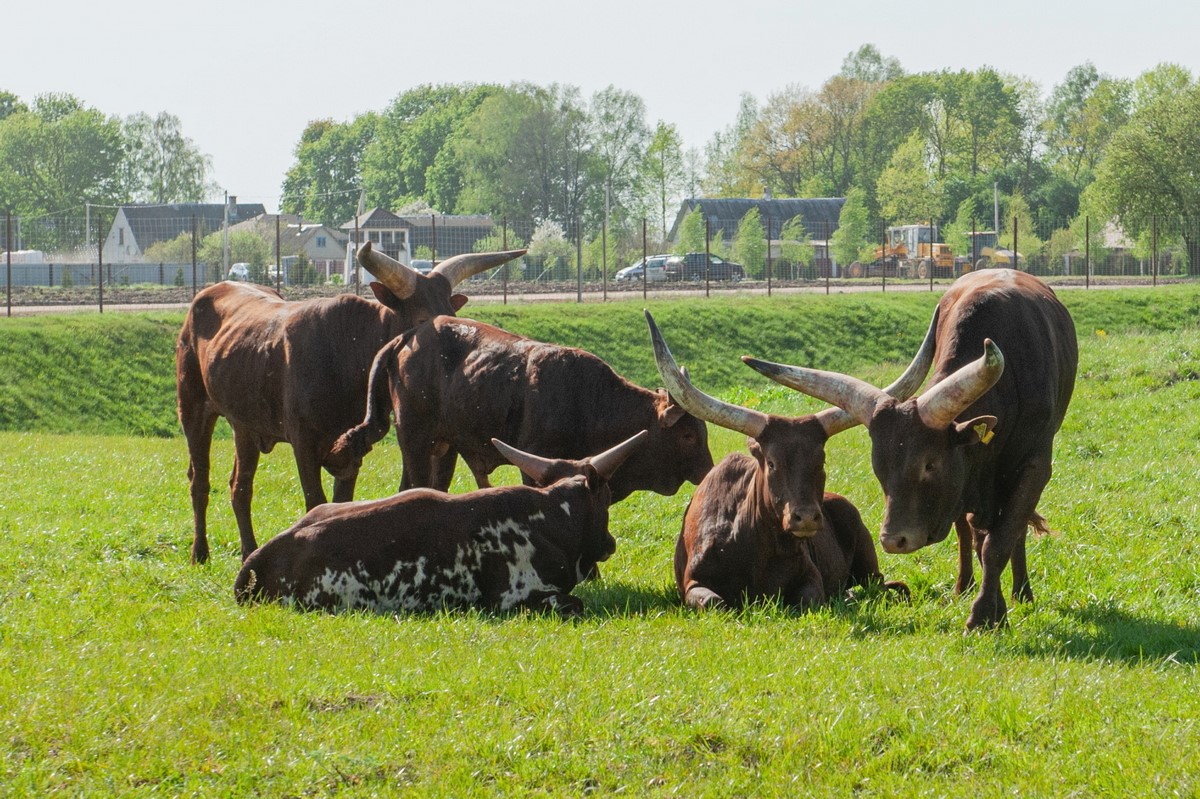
pixel 763 527
pixel 497 548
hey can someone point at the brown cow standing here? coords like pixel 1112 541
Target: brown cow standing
pixel 455 384
pixel 935 456
pixel 295 372
pixel 763 526
pixel 497 548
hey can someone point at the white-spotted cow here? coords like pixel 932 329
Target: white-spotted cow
pixel 497 548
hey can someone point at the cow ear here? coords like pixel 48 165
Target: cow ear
pixel 458 301
pixel 669 411
pixel 755 449
pixel 979 430
pixel 594 480
pixel 383 293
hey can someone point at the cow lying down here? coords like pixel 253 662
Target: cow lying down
pixel 498 548
pixel 763 527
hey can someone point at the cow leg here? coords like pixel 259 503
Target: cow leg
pixel 989 609
pixel 309 466
pixel 1022 591
pixel 443 471
pixel 416 455
pixel 198 429
pixel 343 488
pixel 241 488
pixel 966 555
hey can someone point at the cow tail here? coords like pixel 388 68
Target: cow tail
pixel 244 585
pixel 358 440
pixel 1038 522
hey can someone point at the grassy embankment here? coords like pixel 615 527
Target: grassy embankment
pixel 127 671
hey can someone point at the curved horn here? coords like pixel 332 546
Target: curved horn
pixel 695 401
pixel 835 420
pixel 907 384
pixel 458 268
pixel 607 462
pixel 943 402
pixel 535 466
pixel 856 397
pixel 401 280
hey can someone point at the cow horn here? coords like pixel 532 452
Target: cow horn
pixel 607 462
pixel 401 280
pixel 695 401
pixel 535 466
pixel 856 397
pixel 943 402
pixel 835 420
pixel 458 268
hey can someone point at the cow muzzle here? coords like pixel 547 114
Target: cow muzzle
pixel 803 522
pixel 903 542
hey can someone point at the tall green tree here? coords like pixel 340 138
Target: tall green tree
pixel 324 183
pixel 163 165
pixel 1149 170
pixel 410 154
pixel 907 191
pixel 59 155
pixel 663 170
pixel 620 137
pixel 525 154
pixel 852 240
pixel 750 243
pixel 690 236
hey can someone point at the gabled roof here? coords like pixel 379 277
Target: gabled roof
pixel 150 224
pixel 453 220
pixel 375 218
pixel 820 215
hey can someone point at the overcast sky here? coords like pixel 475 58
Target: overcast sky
pixel 246 76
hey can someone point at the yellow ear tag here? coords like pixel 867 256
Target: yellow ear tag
pixel 984 434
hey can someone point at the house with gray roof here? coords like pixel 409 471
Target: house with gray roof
pixel 401 236
pixel 136 227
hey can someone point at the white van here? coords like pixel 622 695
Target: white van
pixel 239 271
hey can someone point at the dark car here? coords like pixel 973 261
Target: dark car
pixel 691 267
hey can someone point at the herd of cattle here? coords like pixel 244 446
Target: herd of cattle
pixel 328 376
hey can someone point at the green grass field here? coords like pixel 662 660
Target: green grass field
pixel 126 671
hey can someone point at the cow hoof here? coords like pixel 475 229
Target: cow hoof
pixel 566 606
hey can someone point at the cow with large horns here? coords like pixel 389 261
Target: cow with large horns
pixel 763 525
pixel 295 372
pixel 974 450
pixel 455 384
pixel 498 548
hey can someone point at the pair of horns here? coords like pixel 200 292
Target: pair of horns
pixel 937 407
pixel 537 467
pixel 750 422
pixel 402 280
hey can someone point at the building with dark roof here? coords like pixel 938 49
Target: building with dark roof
pixel 135 228
pixel 401 236
pixel 820 215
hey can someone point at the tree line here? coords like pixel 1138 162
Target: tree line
pixel 963 148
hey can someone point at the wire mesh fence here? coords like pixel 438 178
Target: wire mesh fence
pixel 104 257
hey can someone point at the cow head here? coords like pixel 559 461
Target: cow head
pixel 681 453
pixel 918 451
pixel 417 298
pixel 595 472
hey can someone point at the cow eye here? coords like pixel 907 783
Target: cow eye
pixel 930 467
pixel 770 464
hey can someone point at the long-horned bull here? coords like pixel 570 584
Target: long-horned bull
pixel 974 450
pixel 497 548
pixel 763 525
pixel 295 372
pixel 455 384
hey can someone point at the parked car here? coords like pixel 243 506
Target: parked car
pixel 422 265
pixel 691 267
pixel 655 271
pixel 239 271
